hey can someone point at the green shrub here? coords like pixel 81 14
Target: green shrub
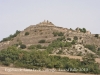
pixel 44 47
pixel 67 44
pixel 60 52
pixel 42 41
pixel 22 46
pixel 97 35
pixel 98 49
pixel 61 38
pixel 31 47
pixel 91 47
pixel 36 47
pixel 55 34
pixel 75 38
pixel 26 33
pixel 39 46
pixel 73 42
pixel 84 30
pixel 5 39
pixel 58 33
pixel 69 39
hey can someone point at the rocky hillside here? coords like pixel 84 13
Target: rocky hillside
pixel 44 33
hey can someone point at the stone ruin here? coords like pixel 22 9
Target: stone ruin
pixel 45 23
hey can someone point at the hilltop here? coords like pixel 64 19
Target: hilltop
pixel 46 46
pixel 44 33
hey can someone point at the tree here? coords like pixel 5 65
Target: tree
pixel 84 30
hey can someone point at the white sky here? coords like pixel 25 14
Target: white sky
pixel 19 14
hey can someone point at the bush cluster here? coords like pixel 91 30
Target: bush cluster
pixel 58 33
pixel 41 59
pixel 82 30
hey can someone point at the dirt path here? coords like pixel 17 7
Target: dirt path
pixel 5 71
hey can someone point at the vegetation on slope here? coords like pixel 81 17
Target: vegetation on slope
pixel 58 44
pixel 93 48
pixel 40 59
pixel 10 37
pixel 58 34
pixel 81 30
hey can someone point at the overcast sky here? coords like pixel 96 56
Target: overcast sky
pixel 19 14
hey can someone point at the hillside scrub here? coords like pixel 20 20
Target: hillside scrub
pixel 10 36
pixel 58 33
pixel 42 41
pixel 22 46
pixel 40 59
pixel 58 43
pixel 36 47
pixel 91 47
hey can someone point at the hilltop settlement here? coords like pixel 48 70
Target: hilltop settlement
pixel 42 46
